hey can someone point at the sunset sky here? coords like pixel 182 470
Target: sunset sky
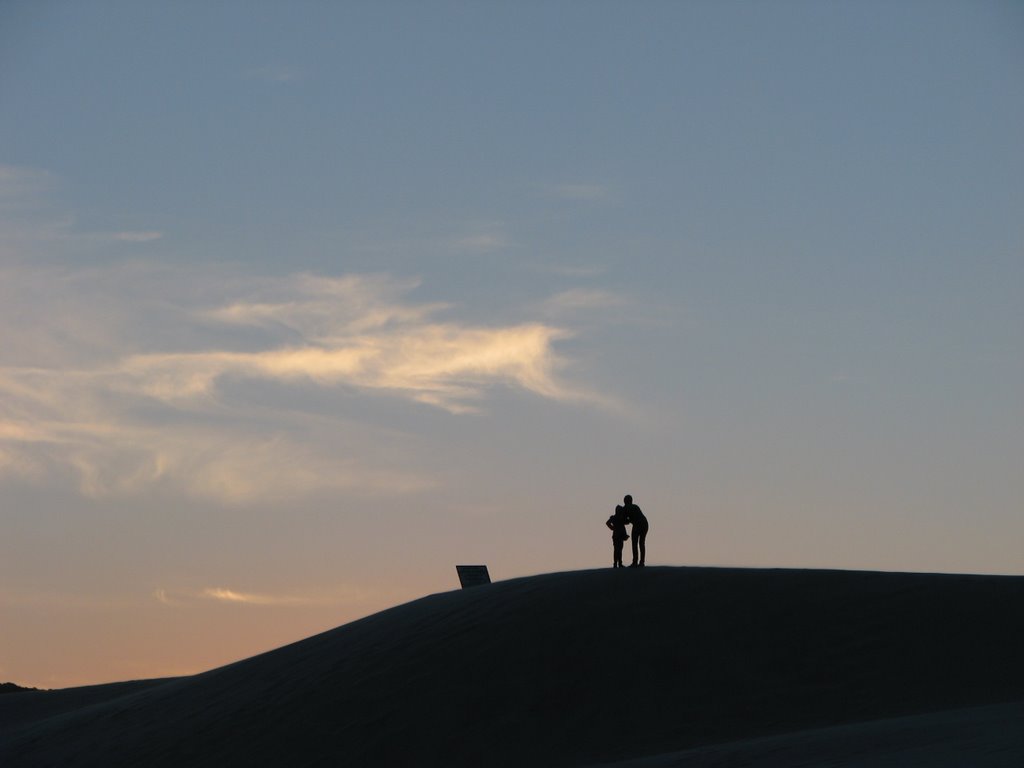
pixel 301 304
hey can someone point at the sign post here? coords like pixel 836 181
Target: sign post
pixel 473 575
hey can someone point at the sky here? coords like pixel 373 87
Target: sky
pixel 302 304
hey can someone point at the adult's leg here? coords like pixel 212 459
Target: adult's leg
pixel 635 539
pixel 642 543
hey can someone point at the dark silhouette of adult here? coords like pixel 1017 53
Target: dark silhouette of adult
pixel 640 527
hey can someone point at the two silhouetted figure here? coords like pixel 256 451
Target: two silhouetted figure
pixel 628 514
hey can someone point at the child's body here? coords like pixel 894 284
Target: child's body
pixel 617 524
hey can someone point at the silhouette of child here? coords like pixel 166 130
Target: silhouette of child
pixel 617 524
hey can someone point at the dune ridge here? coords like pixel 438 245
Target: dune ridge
pixel 566 669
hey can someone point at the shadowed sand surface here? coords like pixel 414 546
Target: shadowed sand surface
pixel 655 667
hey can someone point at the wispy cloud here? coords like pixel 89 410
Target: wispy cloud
pixel 131 380
pixel 338 595
pixel 161 596
pixel 225 595
pixel 345 594
pixel 26 215
pixel 22 187
pixel 28 219
pixel 483 238
pixel 444 365
pixel 481 242
pixel 581 300
pixel 356 331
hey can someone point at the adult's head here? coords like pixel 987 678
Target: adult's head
pixel 627 499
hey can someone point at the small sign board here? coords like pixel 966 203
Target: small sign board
pixel 473 575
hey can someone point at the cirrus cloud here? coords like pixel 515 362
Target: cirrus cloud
pixel 129 379
pixel 337 595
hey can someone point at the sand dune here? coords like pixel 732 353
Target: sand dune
pixel 990 736
pixel 659 667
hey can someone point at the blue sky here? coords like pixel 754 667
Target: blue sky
pixel 301 304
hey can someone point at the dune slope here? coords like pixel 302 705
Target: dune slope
pixel 567 669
